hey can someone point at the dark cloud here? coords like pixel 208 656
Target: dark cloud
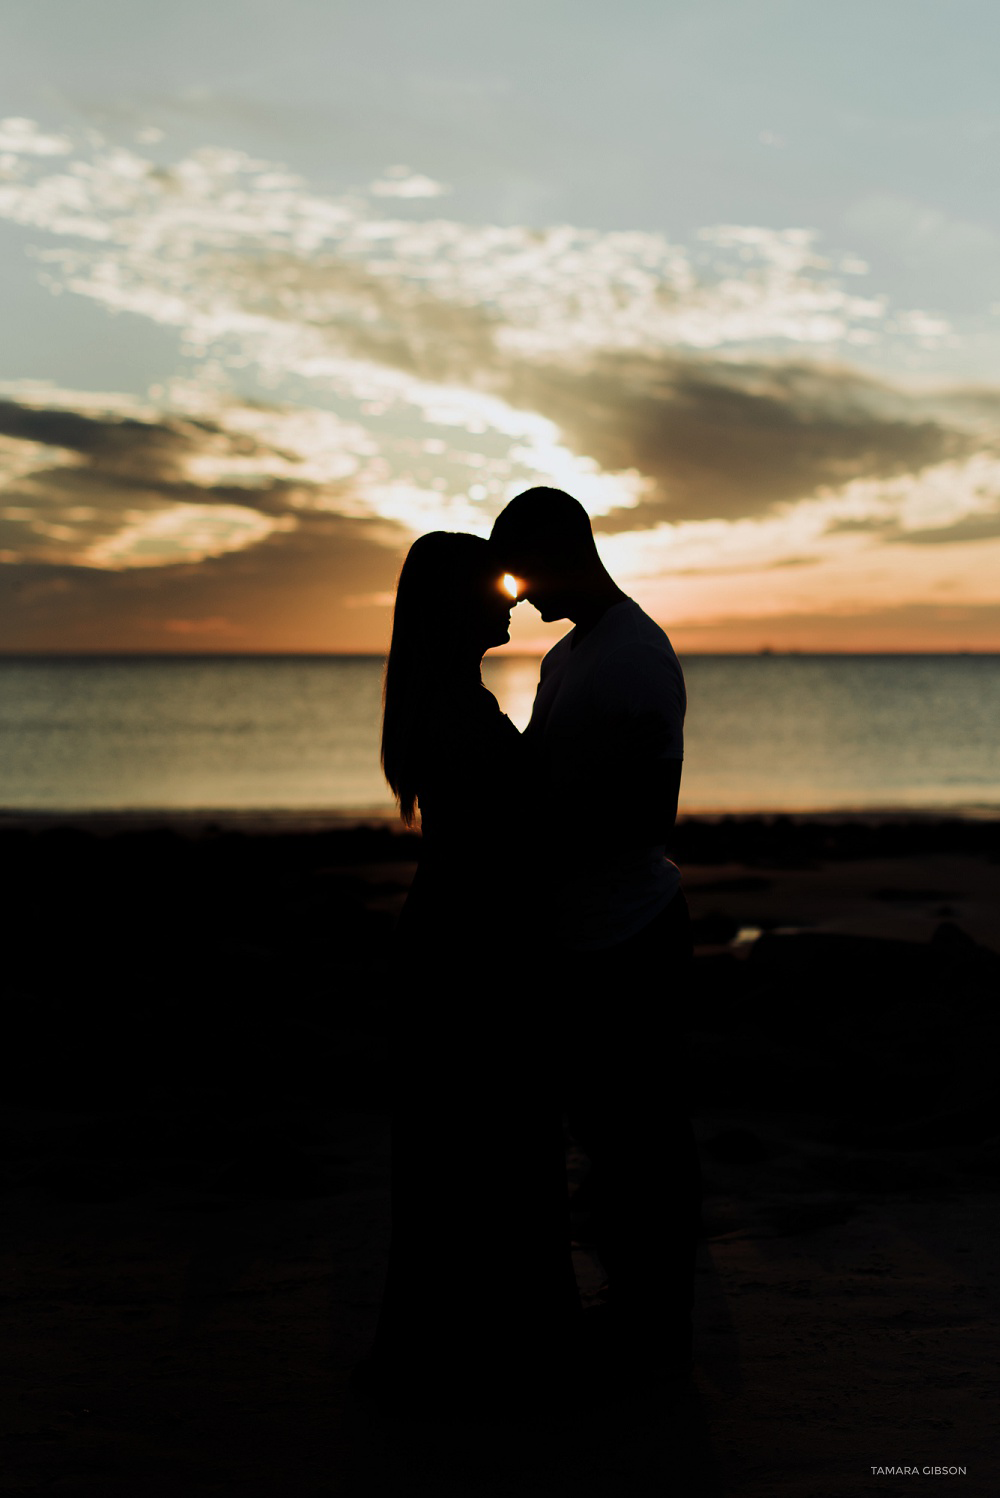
pixel 113 492
pixel 125 459
pixel 725 441
pixel 969 528
pixel 297 590
pixel 873 525
pixel 116 443
pixel 977 404
pixel 116 465
pixel 720 438
pixel 978 527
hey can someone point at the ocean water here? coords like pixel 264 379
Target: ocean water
pixel 297 734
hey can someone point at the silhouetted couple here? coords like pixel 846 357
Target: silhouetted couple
pixel 539 977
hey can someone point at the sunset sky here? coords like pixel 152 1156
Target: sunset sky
pixel 283 286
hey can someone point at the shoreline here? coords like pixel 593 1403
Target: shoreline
pixel 258 820
pixel 351 840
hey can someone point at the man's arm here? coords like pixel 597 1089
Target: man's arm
pixel 638 809
pixel 626 796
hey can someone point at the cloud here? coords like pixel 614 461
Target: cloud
pixel 953 501
pixel 123 527
pixel 400 182
pixel 117 442
pixel 981 524
pixel 185 533
pixel 287 593
pixel 859 524
pixel 626 342
pixel 106 487
pixel 23 138
pixel 727 440
pixel 969 528
pixel 419 370
pixel 208 243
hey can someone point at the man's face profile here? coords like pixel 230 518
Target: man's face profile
pixel 537 585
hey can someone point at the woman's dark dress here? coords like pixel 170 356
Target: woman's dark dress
pixel 479 1295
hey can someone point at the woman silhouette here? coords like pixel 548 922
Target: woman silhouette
pixel 479 1297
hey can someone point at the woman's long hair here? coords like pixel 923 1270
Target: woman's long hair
pixel 438 597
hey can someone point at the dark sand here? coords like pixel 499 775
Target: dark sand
pixel 194 1157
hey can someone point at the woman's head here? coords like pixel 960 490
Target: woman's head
pixel 450 597
pixel 451 607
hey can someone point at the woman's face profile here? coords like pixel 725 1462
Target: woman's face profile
pixel 496 604
pixel 454 594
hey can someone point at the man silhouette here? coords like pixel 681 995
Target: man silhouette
pixel 606 739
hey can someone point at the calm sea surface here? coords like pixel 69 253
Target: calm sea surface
pixel 764 733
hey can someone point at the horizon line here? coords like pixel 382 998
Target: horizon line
pixel 372 655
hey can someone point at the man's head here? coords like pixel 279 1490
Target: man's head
pixel 543 537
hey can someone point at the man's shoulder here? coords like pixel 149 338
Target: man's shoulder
pixel 635 634
pixel 625 641
pixel 643 628
pixel 638 670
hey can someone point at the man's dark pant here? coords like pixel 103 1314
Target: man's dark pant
pixel 627 1101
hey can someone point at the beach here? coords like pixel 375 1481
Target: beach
pixel 195 1168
